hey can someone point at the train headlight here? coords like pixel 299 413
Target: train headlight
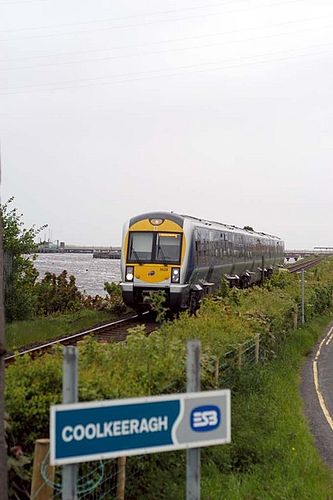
pixel 129 273
pixel 175 275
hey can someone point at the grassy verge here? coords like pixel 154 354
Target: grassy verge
pixel 272 454
pixel 21 333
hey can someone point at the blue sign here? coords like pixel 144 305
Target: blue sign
pixel 82 432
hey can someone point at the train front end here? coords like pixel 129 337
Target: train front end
pixel 153 259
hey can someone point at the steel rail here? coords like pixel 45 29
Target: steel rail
pixel 304 265
pixel 69 338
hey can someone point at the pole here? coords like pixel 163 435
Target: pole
pixel 70 395
pixel 193 455
pixel 302 303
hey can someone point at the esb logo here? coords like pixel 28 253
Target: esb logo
pixel 205 418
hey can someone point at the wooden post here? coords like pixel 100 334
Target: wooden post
pixel 40 490
pixel 217 370
pixel 257 340
pixel 121 478
pixel 295 320
pixel 239 356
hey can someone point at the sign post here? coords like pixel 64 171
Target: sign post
pixel 70 395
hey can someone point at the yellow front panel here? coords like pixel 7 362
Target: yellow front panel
pixel 145 225
pixel 154 273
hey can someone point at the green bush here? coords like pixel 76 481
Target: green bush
pixel 57 294
pixel 20 274
pixel 112 302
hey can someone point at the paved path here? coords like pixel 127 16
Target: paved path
pixel 317 393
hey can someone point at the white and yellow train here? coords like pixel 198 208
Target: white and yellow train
pixel 187 257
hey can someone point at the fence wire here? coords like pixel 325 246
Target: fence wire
pixel 96 480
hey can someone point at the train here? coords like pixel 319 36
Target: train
pixel 187 258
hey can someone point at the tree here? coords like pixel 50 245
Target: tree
pixel 20 273
pixel 248 228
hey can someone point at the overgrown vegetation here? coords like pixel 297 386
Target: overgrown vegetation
pixel 23 333
pixel 267 417
pixel 20 273
pixel 63 309
pixel 18 463
pixel 25 296
pixel 156 301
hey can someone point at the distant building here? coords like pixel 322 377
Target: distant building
pixel 50 246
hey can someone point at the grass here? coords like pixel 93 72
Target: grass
pixel 272 454
pixel 20 333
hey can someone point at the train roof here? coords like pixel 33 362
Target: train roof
pixel 179 218
pixel 230 227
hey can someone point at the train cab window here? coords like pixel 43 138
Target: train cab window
pixel 140 247
pixel 153 247
pixel 168 247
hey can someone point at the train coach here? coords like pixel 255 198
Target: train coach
pixel 187 257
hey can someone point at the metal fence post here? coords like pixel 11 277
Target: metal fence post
pixel 70 395
pixel 193 454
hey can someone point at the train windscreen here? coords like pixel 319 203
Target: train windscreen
pixel 140 247
pixel 151 247
pixel 168 247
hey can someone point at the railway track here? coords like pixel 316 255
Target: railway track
pixel 115 331
pixel 299 266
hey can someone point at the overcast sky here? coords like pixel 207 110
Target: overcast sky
pixel 218 109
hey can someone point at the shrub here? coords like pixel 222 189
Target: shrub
pixel 112 302
pixel 20 274
pixel 57 294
